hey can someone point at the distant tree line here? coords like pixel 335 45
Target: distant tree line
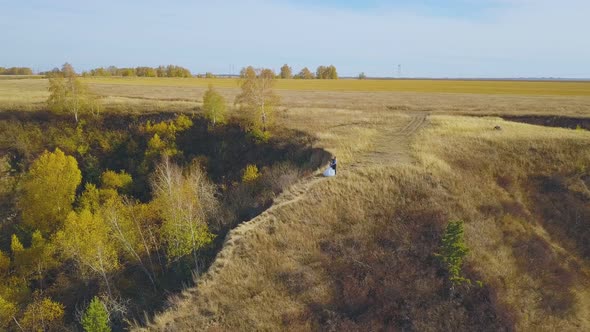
pixel 286 72
pixel 16 71
pixel 161 71
pixel 322 72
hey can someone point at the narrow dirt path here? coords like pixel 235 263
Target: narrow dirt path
pixel 392 146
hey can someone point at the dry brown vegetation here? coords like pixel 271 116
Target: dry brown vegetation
pixel 356 252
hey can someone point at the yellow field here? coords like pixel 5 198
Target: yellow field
pixel 444 86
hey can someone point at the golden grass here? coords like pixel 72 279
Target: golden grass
pixel 528 261
pixel 23 94
pixel 425 86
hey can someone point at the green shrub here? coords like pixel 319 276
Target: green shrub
pixel 96 317
pixel 453 250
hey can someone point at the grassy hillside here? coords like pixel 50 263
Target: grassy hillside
pixel 356 252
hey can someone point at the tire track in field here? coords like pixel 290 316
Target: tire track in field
pixel 393 142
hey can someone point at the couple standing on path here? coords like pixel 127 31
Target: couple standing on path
pixel 331 171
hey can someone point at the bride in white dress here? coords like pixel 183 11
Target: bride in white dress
pixel 331 171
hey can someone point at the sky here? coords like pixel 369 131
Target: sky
pixel 428 38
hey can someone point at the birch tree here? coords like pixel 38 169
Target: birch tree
pixel 129 238
pixel 186 201
pixel 86 240
pixel 67 94
pixel 214 106
pixel 258 100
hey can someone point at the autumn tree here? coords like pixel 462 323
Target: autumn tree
pixel 96 317
pixel 286 71
pixel 7 312
pixel 33 262
pixel 186 201
pixel 128 233
pixel 177 71
pixel 48 191
pixel 258 99
pixel 248 73
pixel 67 94
pixel 332 73
pixel 67 70
pixel 127 72
pixel 251 174
pixel 126 227
pixel 327 72
pixel 214 106
pixel 145 72
pixel 163 141
pixel 86 240
pixel 117 181
pixel 43 315
pixel 305 74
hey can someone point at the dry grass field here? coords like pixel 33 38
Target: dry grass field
pixel 426 86
pixel 356 252
pixel 448 97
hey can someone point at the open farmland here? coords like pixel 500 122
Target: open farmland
pixel 542 88
pixel 439 96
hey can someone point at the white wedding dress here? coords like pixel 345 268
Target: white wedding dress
pixel 329 172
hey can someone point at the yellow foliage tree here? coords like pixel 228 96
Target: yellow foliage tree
pixel 48 191
pixel 258 100
pixel 163 141
pixel 251 174
pixel 185 201
pixel 15 245
pixel 128 233
pixel 214 106
pixel 35 260
pixel 4 264
pixel 7 312
pixel 86 239
pixel 90 198
pixel 43 315
pixel 114 180
pixel 68 95
pixel 41 254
